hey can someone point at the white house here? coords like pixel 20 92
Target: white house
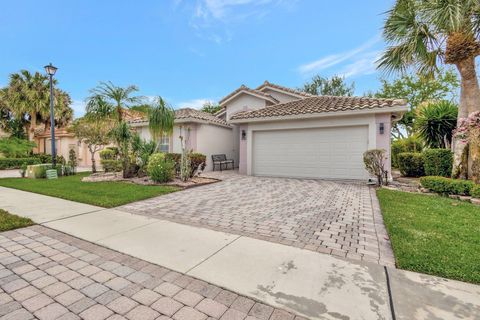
pixel 277 131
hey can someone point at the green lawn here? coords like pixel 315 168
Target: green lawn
pixel 10 221
pixel 433 234
pixel 103 194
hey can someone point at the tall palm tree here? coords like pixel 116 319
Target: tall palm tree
pixel 99 107
pixel 120 97
pixel 160 120
pixel 425 33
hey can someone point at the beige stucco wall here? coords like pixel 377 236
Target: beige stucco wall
pixel 214 140
pixel 244 102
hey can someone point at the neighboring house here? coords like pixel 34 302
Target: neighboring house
pixel 277 131
pixel 203 132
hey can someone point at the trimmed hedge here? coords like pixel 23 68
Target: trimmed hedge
pixel 16 163
pixel 411 144
pixel 111 165
pixel 109 154
pixel 411 164
pixel 448 186
pixel 475 192
pixel 196 159
pixel 438 162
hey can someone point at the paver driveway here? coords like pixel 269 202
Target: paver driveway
pixel 338 218
pixel 45 274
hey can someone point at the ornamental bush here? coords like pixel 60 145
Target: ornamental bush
pixel 16 163
pixel 111 165
pixel 196 159
pixel 411 164
pixel 109 154
pixel 448 186
pixel 438 162
pixel 16 148
pixel 410 144
pixel 475 192
pixel 160 169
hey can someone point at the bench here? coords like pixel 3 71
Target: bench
pixel 221 160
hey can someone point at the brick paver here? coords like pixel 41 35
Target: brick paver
pixel 86 285
pixel 337 218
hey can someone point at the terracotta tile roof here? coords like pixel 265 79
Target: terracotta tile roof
pixel 279 87
pixel 319 104
pixel 254 91
pixel 189 113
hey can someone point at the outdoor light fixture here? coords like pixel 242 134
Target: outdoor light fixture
pixel 50 69
pixel 382 128
pixel 244 135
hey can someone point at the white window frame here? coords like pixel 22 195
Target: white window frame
pixel 164 145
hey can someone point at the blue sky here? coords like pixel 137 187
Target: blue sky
pixel 189 51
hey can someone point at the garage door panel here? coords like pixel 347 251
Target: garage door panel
pixel 311 153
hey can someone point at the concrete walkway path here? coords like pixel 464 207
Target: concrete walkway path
pixel 307 283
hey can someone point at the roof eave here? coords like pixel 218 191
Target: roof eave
pixel 181 121
pixel 397 110
pixel 224 102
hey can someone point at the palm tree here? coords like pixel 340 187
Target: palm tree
pixel 119 97
pixel 435 123
pixel 425 33
pixel 160 120
pixel 28 99
pixel 99 107
pixel 122 136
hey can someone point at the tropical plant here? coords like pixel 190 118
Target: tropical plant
pixel 160 169
pixel 16 148
pixel 334 86
pixel 211 107
pixel 416 90
pixel 122 136
pixel 142 150
pixel 94 132
pixel 161 118
pixel 27 96
pixel 121 98
pixel 423 34
pixel 435 123
pixel 374 161
pixel 99 107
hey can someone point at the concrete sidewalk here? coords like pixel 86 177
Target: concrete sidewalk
pixel 311 284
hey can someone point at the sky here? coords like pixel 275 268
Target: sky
pixel 192 51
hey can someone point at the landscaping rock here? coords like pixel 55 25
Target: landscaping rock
pixel 475 201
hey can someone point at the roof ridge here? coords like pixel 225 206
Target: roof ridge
pixel 267 83
pixel 244 87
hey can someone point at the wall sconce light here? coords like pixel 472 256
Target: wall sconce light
pixel 382 128
pixel 244 135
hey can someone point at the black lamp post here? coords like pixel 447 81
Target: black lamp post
pixel 51 72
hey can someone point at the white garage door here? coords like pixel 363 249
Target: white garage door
pixel 332 153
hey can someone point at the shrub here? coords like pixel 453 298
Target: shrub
pixel 16 163
pixel 374 161
pixel 411 164
pixel 475 192
pixel 109 154
pixel 47 158
pixel 195 160
pixel 444 185
pixel 111 165
pixel 39 171
pixel 15 147
pixel 160 169
pixel 411 144
pixel 72 161
pixel 438 162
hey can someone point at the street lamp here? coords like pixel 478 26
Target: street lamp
pixel 50 69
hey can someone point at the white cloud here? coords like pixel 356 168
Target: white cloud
pixel 357 55
pixel 78 107
pixel 362 65
pixel 194 103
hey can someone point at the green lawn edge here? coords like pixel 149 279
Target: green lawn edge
pixel 102 194
pixel 432 234
pixel 10 221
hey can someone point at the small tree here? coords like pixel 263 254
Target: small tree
pixel 72 160
pixel 211 107
pixel 374 160
pixel 122 136
pixel 335 86
pixel 161 118
pixel 94 132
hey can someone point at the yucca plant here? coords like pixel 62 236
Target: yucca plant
pixel 435 123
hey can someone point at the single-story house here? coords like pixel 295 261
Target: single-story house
pixel 202 132
pixel 278 131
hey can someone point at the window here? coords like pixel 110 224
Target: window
pixel 165 144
